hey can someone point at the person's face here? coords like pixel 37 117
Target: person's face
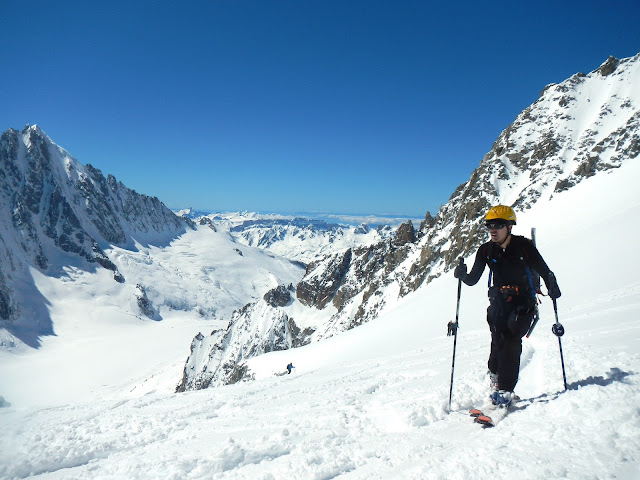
pixel 498 231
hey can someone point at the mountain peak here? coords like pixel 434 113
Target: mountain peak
pixel 33 128
pixel 52 216
pixel 608 67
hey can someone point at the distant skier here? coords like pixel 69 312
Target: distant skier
pixel 512 297
pixel 290 367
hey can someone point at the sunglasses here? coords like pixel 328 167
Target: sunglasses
pixel 494 225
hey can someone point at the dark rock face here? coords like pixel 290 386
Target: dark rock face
pixel 5 301
pixel 53 204
pixel 364 270
pixel 323 280
pixel 279 296
pixel 299 337
pixel 405 234
pixel 208 222
pixel 608 67
pixel 426 224
pixel 144 304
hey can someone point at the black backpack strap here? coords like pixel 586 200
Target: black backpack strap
pixel 490 261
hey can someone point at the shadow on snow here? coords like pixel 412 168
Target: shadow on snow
pixel 612 376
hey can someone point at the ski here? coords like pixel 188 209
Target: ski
pixel 491 415
pixel 480 417
pixel 487 421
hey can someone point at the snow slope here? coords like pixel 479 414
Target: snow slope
pixel 102 341
pixel 369 403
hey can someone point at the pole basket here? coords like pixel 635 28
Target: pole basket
pixel 557 329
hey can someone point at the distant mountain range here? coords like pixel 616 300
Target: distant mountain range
pixel 58 215
pixel 300 239
pixel 373 221
pixel 583 126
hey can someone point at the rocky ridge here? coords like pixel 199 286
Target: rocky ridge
pixel 257 328
pixel 580 127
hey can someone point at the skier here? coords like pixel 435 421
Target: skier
pixel 290 367
pixel 512 297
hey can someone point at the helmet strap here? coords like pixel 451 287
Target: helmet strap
pixel 504 244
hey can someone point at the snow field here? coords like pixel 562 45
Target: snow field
pixel 369 403
pixel 379 418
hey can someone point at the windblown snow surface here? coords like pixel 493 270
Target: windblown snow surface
pixel 371 403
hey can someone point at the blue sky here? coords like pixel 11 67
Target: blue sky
pixel 359 107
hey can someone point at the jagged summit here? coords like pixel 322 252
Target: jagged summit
pixel 34 127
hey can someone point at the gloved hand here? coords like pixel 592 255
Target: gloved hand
pixel 460 271
pixel 552 286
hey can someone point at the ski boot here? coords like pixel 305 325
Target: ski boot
pixel 502 398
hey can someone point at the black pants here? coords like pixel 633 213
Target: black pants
pixel 509 322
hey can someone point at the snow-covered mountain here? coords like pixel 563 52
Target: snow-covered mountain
pixel 305 239
pixel 97 399
pixel 301 239
pixel 97 402
pixel 585 125
pixel 60 219
pixel 55 212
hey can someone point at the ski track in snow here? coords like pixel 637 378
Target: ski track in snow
pixel 378 419
pixel 383 415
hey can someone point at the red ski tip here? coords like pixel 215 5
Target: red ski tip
pixel 484 420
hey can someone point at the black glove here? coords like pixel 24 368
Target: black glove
pixel 460 271
pixel 552 286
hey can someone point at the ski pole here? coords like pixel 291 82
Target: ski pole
pixel 535 284
pixel 558 331
pixel 454 328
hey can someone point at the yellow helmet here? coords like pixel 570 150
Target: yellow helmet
pixel 501 212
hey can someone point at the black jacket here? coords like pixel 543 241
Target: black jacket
pixel 510 266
